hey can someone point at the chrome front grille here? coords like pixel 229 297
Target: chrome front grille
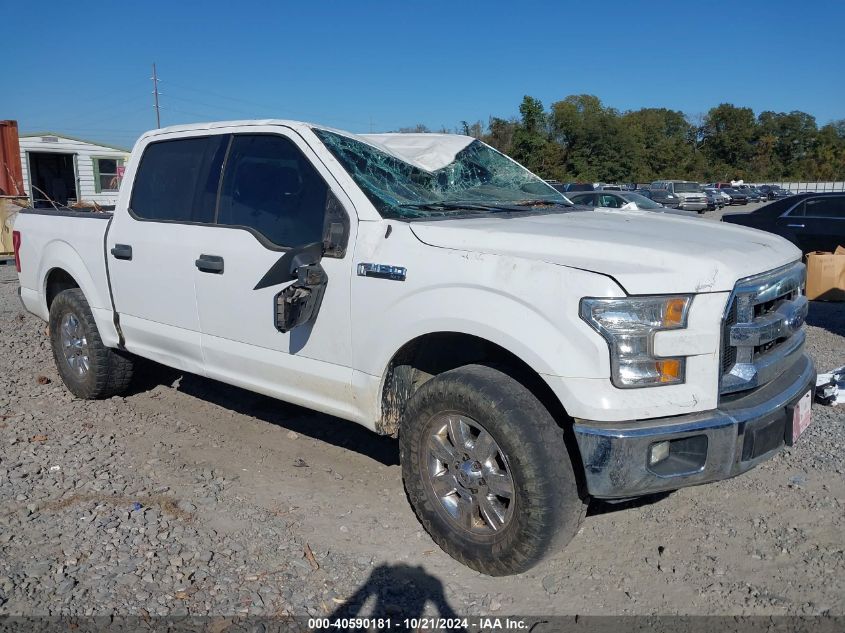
pixel 762 331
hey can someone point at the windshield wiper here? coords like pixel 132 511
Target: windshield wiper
pixel 446 206
pixel 520 206
pixel 539 202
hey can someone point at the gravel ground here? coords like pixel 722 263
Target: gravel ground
pixel 192 497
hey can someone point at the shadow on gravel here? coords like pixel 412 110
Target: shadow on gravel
pixel 598 507
pixel 829 316
pixel 318 426
pixel 400 591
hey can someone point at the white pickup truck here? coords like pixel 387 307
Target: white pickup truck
pixel 528 353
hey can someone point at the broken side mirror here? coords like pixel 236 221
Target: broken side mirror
pixel 299 303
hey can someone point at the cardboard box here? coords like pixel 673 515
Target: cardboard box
pixel 8 210
pixel 826 275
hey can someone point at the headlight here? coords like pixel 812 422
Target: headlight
pixel 628 325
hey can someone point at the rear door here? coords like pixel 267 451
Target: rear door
pixel 151 246
pixel 817 223
pixel 275 199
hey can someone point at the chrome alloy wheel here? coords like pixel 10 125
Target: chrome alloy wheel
pixel 74 344
pixel 469 474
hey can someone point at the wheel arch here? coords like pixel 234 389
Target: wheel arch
pixel 62 268
pixel 428 355
pixel 55 281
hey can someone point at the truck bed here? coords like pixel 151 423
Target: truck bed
pixel 58 240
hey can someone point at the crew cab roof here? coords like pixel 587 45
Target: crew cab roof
pixel 427 151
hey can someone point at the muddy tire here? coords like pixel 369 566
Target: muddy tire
pixel 487 472
pixel 88 368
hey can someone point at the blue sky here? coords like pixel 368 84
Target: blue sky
pixel 83 68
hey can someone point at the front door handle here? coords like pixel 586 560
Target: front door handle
pixel 122 251
pixel 795 226
pixel 210 264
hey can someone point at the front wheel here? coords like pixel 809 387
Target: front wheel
pixel 88 368
pixel 487 471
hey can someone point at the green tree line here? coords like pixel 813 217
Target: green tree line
pixel 581 139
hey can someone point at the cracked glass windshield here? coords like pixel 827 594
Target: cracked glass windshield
pixel 479 180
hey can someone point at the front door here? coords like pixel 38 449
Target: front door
pixel 274 200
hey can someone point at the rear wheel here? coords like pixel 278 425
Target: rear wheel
pixel 486 470
pixel 88 368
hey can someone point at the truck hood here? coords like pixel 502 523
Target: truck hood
pixel 645 252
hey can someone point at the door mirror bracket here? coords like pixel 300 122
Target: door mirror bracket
pixel 299 303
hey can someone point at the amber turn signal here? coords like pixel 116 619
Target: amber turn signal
pixel 670 370
pixel 673 312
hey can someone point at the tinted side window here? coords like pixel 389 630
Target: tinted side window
pixel 177 180
pixel 828 207
pixel 271 187
pixel 798 210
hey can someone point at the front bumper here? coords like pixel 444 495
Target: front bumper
pixel 693 206
pixel 742 432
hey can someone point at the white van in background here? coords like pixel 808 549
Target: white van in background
pixel 691 194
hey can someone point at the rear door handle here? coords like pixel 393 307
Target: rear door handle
pixel 795 226
pixel 122 251
pixel 210 264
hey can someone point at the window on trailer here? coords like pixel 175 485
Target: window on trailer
pixel 107 174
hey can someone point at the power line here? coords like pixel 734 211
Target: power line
pixel 262 106
pixel 94 105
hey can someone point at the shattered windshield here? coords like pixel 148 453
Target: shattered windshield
pixel 478 180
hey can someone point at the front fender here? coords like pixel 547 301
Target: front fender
pixel 529 308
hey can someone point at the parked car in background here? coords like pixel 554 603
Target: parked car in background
pixel 722 199
pixel 608 187
pixel 773 192
pixel 578 186
pixel 664 197
pixel 690 194
pixel 811 221
pixel 714 200
pixel 736 196
pixel 752 194
pixel 622 200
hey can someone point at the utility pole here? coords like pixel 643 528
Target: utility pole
pixel 155 95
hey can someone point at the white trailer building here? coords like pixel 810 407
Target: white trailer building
pixel 64 169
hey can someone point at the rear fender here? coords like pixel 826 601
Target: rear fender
pixel 59 254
